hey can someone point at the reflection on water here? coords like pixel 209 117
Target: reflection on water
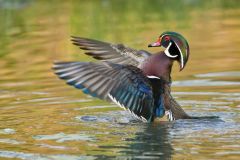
pixel 41 118
pixel 152 142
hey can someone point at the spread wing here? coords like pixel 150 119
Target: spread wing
pixel 123 84
pixel 115 53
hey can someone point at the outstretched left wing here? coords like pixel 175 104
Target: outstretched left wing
pixel 123 84
pixel 114 53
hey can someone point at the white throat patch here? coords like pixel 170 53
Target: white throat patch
pixel 167 51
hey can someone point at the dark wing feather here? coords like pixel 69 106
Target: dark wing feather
pixel 125 85
pixel 176 112
pixel 115 53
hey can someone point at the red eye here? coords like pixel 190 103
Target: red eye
pixel 166 38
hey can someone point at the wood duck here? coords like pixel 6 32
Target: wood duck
pixel 136 80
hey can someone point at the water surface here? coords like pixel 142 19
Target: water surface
pixel 41 118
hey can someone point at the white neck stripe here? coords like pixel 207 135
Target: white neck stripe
pixel 182 63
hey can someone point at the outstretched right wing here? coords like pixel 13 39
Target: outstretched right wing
pixel 115 53
pixel 124 84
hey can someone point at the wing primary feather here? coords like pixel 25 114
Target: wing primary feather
pixel 59 71
pixel 117 53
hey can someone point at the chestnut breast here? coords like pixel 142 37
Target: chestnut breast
pixel 158 65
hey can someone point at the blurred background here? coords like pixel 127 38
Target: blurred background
pixel 42 118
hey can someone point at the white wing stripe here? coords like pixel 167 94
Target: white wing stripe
pixel 134 115
pixel 115 101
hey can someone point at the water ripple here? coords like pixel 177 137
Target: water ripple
pixel 7 131
pixel 203 82
pixel 35 156
pixel 62 137
pixel 11 141
pixel 220 74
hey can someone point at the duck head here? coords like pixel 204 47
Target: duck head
pixel 176 47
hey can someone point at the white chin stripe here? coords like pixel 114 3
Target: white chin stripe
pixel 167 51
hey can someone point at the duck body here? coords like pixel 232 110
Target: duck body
pixel 135 80
pixel 158 70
